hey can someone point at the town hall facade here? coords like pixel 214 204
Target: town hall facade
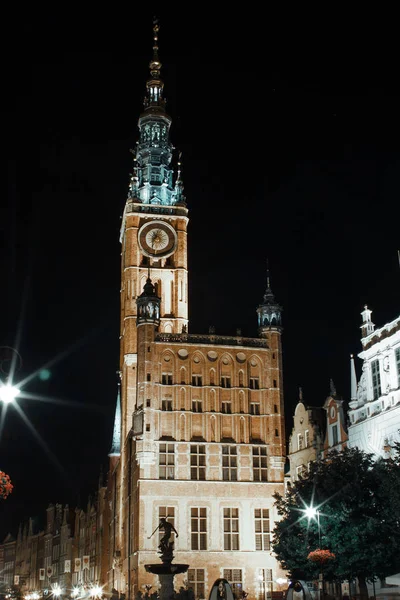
pixel 199 428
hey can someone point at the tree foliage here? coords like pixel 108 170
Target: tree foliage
pixel 358 500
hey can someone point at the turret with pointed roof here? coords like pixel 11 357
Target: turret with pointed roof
pixel 269 312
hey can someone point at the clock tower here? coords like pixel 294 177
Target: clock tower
pixel 153 231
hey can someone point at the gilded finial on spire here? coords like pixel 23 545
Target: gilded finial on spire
pixel 155 64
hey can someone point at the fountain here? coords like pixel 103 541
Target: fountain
pixel 166 570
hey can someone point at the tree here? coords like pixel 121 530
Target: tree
pixel 358 501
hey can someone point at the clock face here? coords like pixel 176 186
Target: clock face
pixel 157 239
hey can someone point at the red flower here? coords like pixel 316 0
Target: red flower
pixel 6 486
pixel 320 556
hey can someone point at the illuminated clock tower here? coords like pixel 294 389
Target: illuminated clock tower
pixel 153 231
pixel 199 431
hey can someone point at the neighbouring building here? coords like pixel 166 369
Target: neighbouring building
pixel 199 431
pixel 336 435
pixel 307 438
pixel 375 402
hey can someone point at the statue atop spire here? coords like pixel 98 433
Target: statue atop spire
pixel 269 312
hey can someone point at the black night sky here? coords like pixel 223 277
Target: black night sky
pixel 290 140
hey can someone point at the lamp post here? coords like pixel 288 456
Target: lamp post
pixel 313 513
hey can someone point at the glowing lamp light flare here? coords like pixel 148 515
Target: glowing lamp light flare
pixel 96 591
pixel 8 393
pixel 56 591
pixel 311 512
pixel 75 592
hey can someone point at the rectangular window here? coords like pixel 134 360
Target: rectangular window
pixel 260 468
pixel 231 529
pixel 254 408
pixel 166 379
pixel 196 580
pixel 300 444
pixel 226 407
pixel 334 435
pixel 306 438
pixel 235 579
pixel 166 405
pixel 197 380
pixel 198 523
pixel 198 463
pixel 166 461
pixel 197 406
pixel 254 383
pixel 265 584
pixel 376 379
pixel 397 356
pixel 229 463
pixel 166 512
pixel 225 381
pixel 262 529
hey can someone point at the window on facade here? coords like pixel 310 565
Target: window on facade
pixel 306 438
pixel 300 441
pixel 376 379
pixel 225 381
pixel 166 461
pixel 226 407
pixel 166 379
pixel 229 463
pixel 166 512
pixel 166 405
pixel 334 435
pixel 198 462
pixel 231 529
pixel 240 378
pixel 260 469
pixel 196 579
pixel 212 377
pixel 265 584
pixel 197 380
pixel 198 522
pixel 274 383
pixel 262 529
pixel 235 579
pixel 197 406
pixel 254 408
pixel 276 433
pixel 254 383
pixel 397 357
pixel 148 377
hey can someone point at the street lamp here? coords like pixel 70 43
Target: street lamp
pixel 8 393
pixel 313 513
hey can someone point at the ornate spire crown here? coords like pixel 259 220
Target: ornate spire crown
pixel 269 312
pixel 153 180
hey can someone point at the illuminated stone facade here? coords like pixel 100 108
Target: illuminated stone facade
pixel 306 440
pixel 202 437
pixel 375 404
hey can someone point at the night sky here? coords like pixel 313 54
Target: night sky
pixel 290 142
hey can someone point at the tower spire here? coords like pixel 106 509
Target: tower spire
pixel 269 312
pixel 353 375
